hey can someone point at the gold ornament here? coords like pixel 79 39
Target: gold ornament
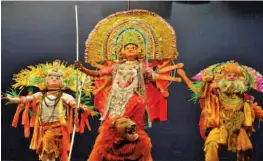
pixel 151 33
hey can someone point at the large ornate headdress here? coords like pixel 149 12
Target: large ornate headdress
pixel 253 78
pixel 147 30
pixel 35 76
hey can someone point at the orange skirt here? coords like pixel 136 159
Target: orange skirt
pixel 50 140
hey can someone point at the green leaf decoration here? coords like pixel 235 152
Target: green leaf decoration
pixel 90 107
pixel 97 113
pixel 196 95
pixel 84 99
pixel 30 112
pixel 13 93
pixel 30 90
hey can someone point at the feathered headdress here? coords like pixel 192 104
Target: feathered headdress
pixel 253 77
pixel 35 76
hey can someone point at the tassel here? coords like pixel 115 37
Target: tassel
pixel 82 122
pixel 87 121
pixel 34 108
pixel 202 127
pixel 70 122
pixel 25 120
pixel 61 113
pixel 33 120
pixel 34 105
pixel 65 144
pixel 16 116
pixel 204 90
pixel 248 114
pixel 216 109
pixel 243 141
pixel 76 122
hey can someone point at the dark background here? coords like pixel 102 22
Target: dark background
pixel 207 33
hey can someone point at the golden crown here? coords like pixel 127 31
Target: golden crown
pixel 55 69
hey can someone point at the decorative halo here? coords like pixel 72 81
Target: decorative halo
pixel 35 76
pixel 146 29
pixel 253 77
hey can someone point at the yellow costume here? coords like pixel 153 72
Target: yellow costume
pixel 227 112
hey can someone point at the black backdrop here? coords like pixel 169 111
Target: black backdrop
pixel 207 33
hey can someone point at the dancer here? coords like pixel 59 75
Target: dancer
pixel 228 112
pixel 51 109
pixel 127 83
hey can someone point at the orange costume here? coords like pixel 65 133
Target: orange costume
pixel 227 113
pixel 119 139
pixel 50 112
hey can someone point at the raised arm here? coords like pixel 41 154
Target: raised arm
pixel 102 66
pixel 99 73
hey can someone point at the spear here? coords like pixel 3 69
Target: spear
pixel 78 96
pixel 74 129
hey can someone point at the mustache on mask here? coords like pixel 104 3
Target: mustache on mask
pixel 237 86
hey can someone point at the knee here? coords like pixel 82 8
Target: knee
pixel 212 145
pixel 211 151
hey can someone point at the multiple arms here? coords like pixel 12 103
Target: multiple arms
pixel 102 72
pixel 105 70
pixel 164 68
pixel 188 82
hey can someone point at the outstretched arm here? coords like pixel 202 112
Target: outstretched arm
pixel 258 111
pixel 24 102
pixel 165 77
pixel 165 68
pixel 99 73
pixel 21 99
pixel 188 82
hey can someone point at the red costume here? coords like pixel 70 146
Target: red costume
pixel 126 83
